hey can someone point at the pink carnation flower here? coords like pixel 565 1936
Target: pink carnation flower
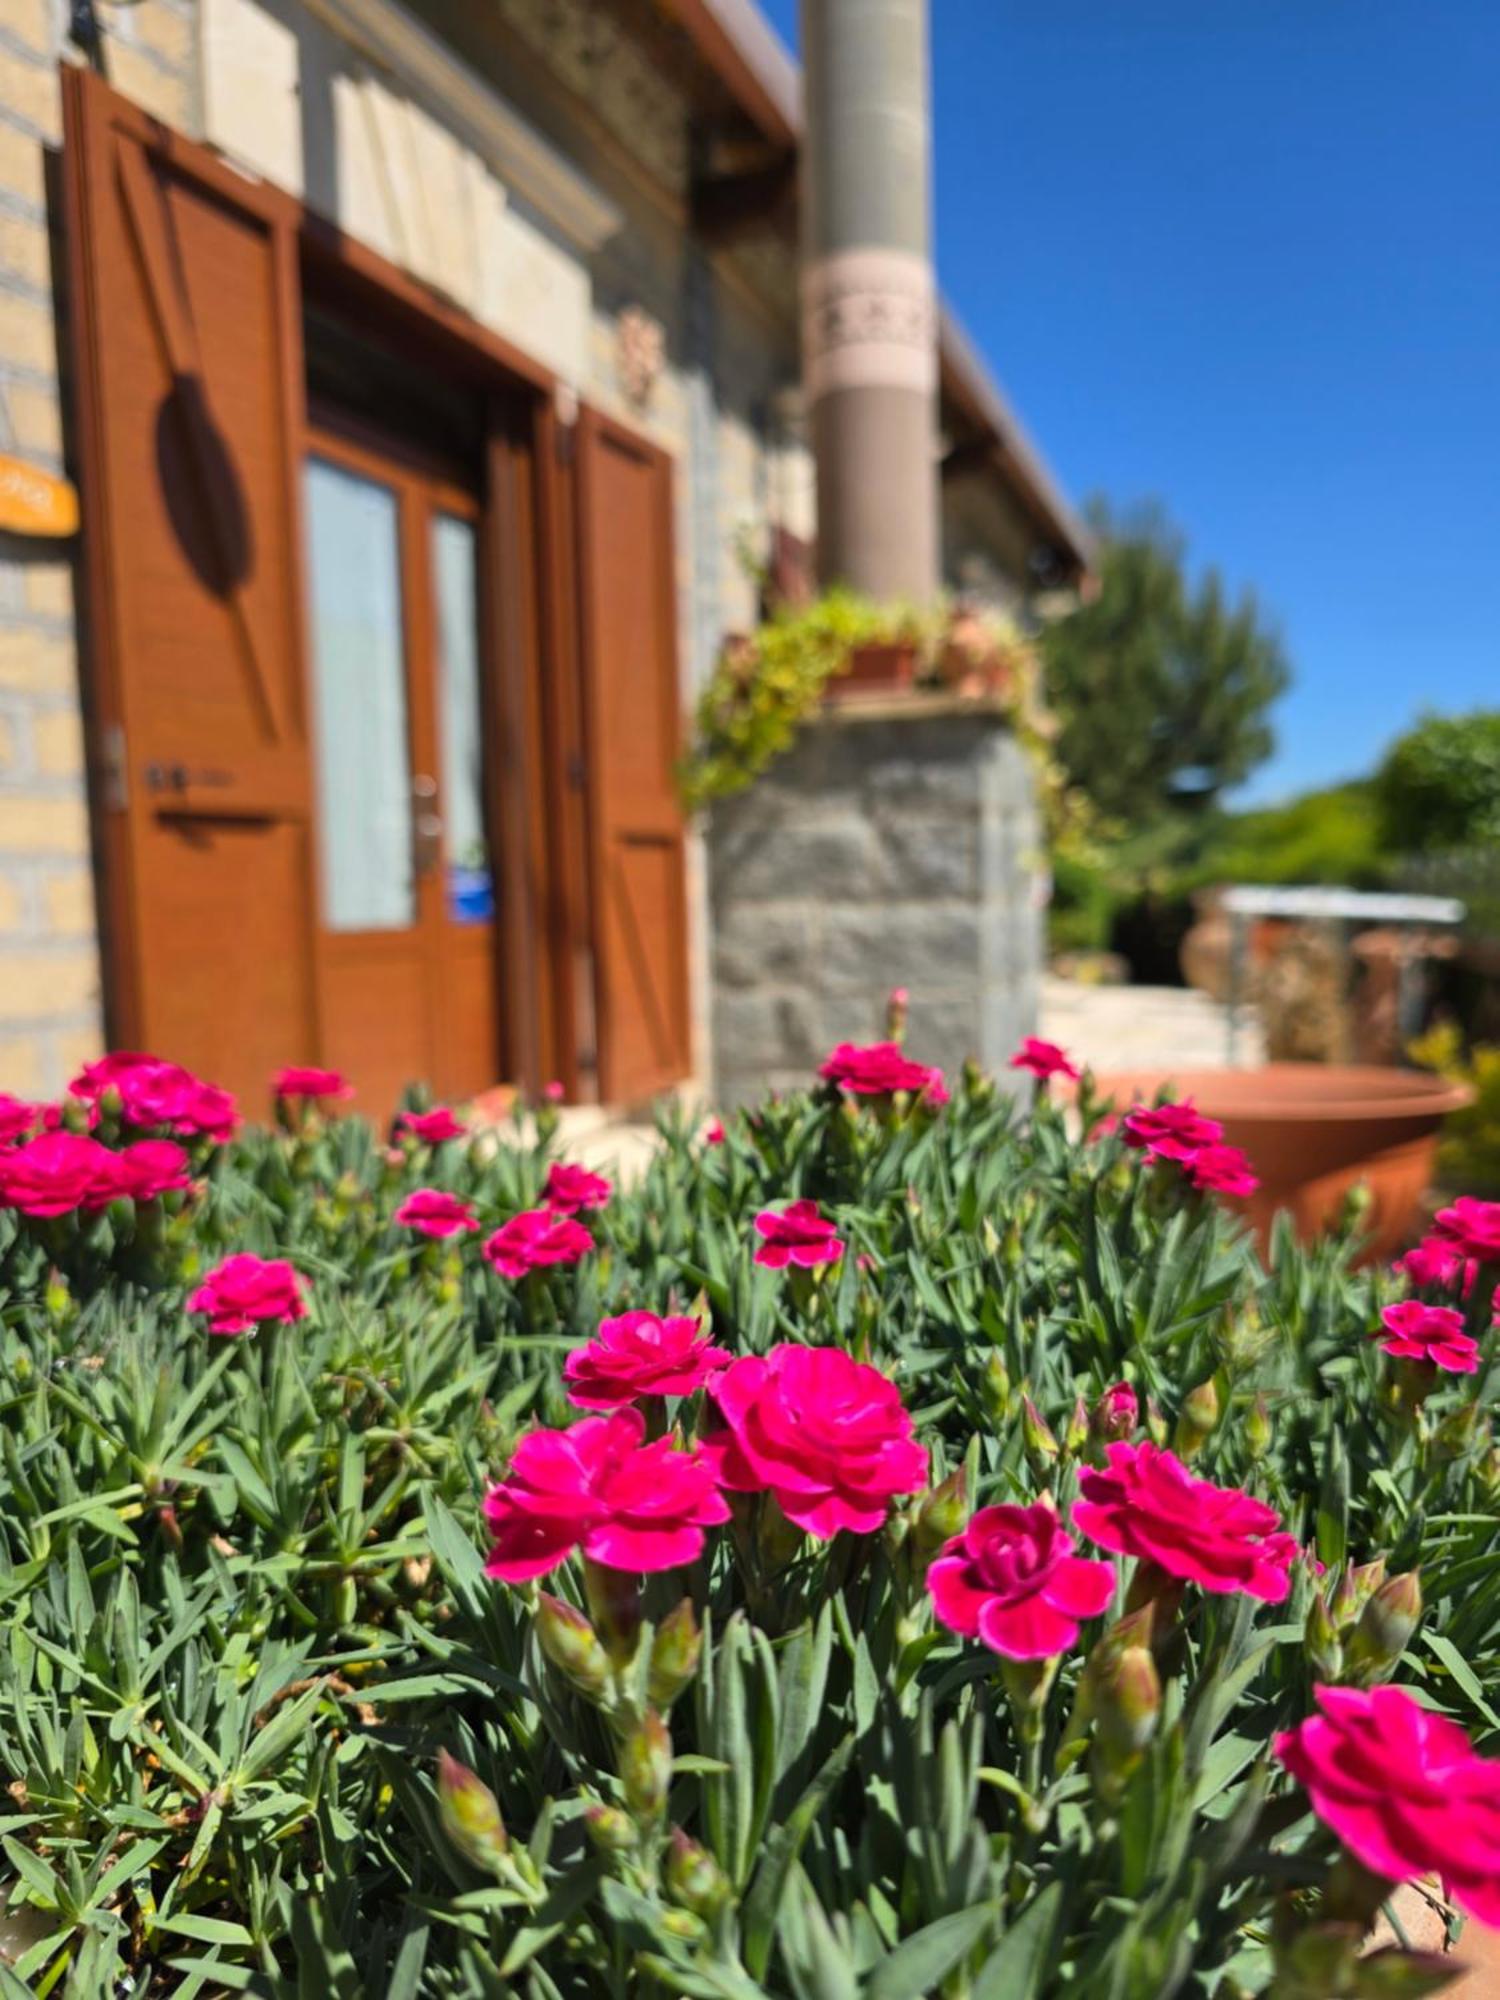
pixel 1043 1060
pixel 157 1094
pixel 304 1081
pixel 1146 1503
pixel 1436 1262
pixel 245 1292
pixel 1403 1789
pixel 534 1239
pixel 796 1234
pixel 1220 1169
pixel 1012 1579
pixel 714 1135
pixel 828 1435
pixel 1415 1331
pixel 434 1212
pixel 875 1071
pixel 1116 1413
pixel 600 1488
pixel 18 1119
pixel 571 1189
pixel 641 1354
pixel 1170 1131
pixel 59 1173
pixel 1472 1227
pixel 151 1168
pixel 433 1127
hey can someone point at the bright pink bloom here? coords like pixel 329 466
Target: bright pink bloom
pixel 152 1167
pixel 571 1189
pixel 58 1173
pixel 306 1082
pixel 434 1212
pixel 715 1135
pixel 1403 1789
pixel 1043 1060
pixel 1147 1504
pixel 535 1238
pixel 936 1093
pixel 1170 1131
pixel 641 1354
pixel 601 1488
pixel 553 1093
pixel 245 1292
pixel 1011 1579
pixel 1220 1169
pixel 875 1071
pixel 797 1234
pixel 1116 1413
pixel 828 1435
pixel 1436 1262
pixel 433 1127
pixel 1416 1331
pixel 158 1094
pixel 17 1118
pixel 1472 1227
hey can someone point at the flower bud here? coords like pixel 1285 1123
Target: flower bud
pixel 646 1767
pixel 1076 1435
pixel 614 1600
pixel 572 1645
pixel 1258 1428
pixel 1385 1628
pixel 611 1831
pixel 1355 1588
pixel 684 1925
pixel 693 1877
pixel 1456 1435
pixel 895 1013
pixel 994 1388
pixel 1127 1702
pixel 470 1815
pixel 944 1513
pixel 1197 1420
pixel 675 1652
pixel 1157 1427
pixel 1115 1415
pixel 1041 1446
pixel 1320 1640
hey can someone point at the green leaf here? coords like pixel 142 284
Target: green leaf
pixel 1017 1967
pixel 919 1962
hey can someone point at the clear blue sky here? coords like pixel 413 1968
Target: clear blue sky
pixel 1245 255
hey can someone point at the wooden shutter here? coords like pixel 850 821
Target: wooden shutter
pixel 628 592
pixel 186 318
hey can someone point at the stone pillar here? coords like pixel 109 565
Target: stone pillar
pixel 895 844
pixel 869 318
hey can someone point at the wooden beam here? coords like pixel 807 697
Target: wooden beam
pixel 726 208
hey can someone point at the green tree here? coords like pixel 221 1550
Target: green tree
pixel 1438 786
pixel 1163 686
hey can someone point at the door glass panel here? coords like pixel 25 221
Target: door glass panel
pixel 359 679
pixel 471 894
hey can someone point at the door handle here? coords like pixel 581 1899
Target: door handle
pixel 427 824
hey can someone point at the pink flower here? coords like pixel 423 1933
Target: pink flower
pixel 599 1487
pixel 309 1083
pixel 59 1173
pixel 641 1354
pixel 433 1127
pixel 534 1238
pixel 1170 1131
pixel 1220 1169
pixel 245 1292
pixel 796 1235
pixel 1403 1789
pixel 553 1092
pixel 714 1136
pixel 1419 1332
pixel 935 1093
pixel 151 1168
pixel 434 1212
pixel 17 1118
pixel 1147 1504
pixel 154 1093
pixel 571 1189
pixel 1043 1060
pixel 1116 1413
pixel 875 1071
pixel 1437 1263
pixel 1011 1579
pixel 828 1435
pixel 1472 1227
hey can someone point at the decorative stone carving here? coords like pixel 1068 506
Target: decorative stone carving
pixel 640 354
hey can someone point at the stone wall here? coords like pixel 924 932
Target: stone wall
pixel 896 844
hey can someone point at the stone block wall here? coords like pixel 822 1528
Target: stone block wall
pixel 894 845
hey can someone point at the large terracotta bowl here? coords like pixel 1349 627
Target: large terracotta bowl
pixel 1314 1131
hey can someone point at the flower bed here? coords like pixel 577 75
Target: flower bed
pixel 898 1547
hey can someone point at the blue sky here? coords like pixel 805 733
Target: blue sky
pixel 1244 255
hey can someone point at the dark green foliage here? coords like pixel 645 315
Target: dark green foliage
pixel 1438 786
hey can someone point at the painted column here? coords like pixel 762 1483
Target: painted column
pixel 869 318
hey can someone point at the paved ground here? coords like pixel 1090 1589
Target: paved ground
pixel 1143 1027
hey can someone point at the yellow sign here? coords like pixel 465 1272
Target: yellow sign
pixel 33 502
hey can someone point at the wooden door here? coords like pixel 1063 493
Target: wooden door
pixel 628 619
pixel 185 310
pixel 407 905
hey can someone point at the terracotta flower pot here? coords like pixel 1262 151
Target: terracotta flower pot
pixel 1314 1131
pixel 876 670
